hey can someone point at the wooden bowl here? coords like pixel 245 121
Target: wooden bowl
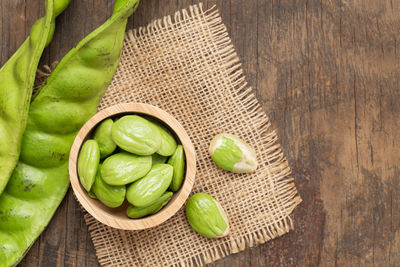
pixel 117 217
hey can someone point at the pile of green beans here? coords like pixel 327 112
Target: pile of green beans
pixel 148 162
pixel 67 99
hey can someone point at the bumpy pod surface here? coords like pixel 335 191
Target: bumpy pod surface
pixel 67 99
pixel 16 81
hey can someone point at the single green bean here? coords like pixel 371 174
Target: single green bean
pixel 156 206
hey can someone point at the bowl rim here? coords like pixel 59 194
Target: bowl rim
pixel 179 197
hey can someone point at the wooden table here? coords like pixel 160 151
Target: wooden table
pixel 327 73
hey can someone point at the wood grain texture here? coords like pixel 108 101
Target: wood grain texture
pixel 327 73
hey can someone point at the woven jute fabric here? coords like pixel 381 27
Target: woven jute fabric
pixel 187 66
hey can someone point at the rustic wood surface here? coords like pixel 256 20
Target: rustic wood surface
pixel 327 73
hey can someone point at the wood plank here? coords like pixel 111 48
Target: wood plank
pixel 327 73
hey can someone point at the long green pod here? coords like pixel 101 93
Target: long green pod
pixel 16 81
pixel 67 99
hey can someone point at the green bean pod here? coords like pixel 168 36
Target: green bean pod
pixel 16 81
pixel 67 99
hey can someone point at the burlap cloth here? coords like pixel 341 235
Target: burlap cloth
pixel 187 66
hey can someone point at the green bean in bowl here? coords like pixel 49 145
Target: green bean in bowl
pixel 134 160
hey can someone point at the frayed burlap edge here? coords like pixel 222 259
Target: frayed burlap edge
pixel 277 162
